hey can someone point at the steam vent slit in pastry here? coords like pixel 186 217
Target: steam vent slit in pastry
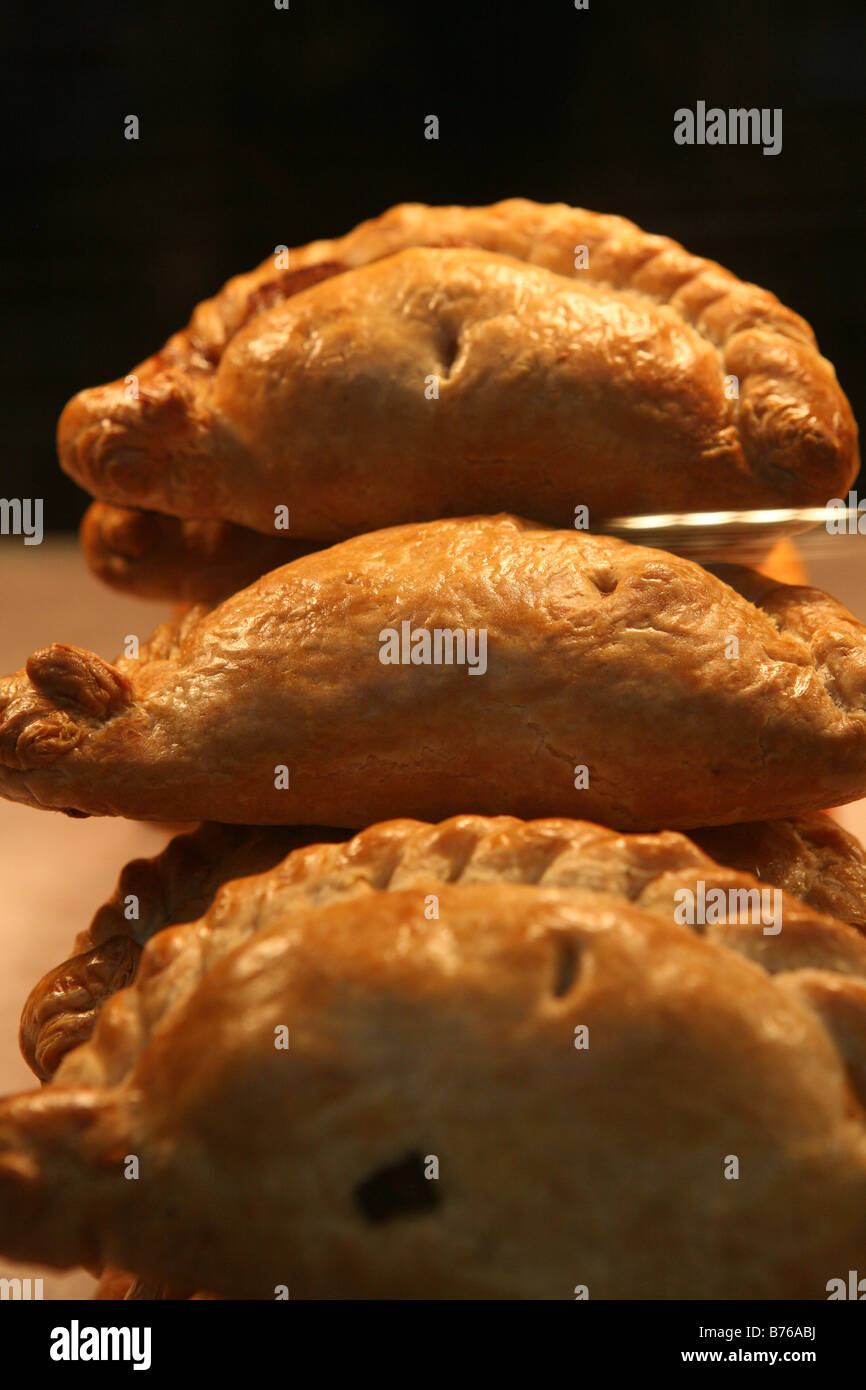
pixel 514 374
pixel 578 652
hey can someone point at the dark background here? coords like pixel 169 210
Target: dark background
pixel 261 127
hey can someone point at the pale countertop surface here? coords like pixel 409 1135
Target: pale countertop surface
pixel 56 871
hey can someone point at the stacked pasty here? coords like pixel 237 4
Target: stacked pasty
pixel 467 1100
pixel 442 361
pixel 224 883
pixel 586 676
pixel 517 1037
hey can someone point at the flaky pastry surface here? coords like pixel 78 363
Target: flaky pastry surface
pixel 209 880
pixel 685 701
pixel 414 1036
pixel 647 379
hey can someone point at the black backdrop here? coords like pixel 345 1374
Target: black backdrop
pixel 261 126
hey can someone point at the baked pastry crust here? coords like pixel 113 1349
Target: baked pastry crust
pixel 228 882
pixel 413 1036
pixel 557 386
pixel 181 883
pixel 811 857
pixel 178 885
pixel 158 556
pixel 600 655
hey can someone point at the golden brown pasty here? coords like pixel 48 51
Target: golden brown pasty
pixel 483 662
pixel 237 879
pixel 440 361
pixel 178 885
pixel 278 868
pixel 811 857
pixel 505 1091
pixel 158 556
